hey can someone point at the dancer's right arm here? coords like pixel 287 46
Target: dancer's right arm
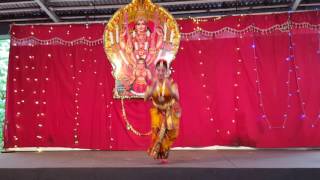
pixel 149 90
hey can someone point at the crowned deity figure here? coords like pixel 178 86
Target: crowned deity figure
pixel 136 38
pixel 141 42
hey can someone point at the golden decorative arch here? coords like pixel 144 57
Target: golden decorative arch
pixel 135 38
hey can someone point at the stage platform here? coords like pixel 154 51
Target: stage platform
pixel 184 164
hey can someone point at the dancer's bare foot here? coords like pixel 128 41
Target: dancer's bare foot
pixel 164 161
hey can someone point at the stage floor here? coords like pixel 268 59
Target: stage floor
pixel 178 158
pixel 190 164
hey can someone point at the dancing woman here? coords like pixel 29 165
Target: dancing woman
pixel 165 113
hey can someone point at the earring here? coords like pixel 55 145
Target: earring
pixel 168 73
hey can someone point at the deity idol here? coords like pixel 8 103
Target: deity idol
pixel 140 43
pixel 140 33
pixel 142 77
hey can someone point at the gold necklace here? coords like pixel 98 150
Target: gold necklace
pixel 161 94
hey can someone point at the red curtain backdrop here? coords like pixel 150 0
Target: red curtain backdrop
pixel 243 80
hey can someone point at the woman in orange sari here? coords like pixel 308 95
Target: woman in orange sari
pixel 165 113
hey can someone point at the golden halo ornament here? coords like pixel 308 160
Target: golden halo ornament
pixel 135 38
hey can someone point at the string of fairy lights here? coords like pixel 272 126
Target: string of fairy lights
pixel 203 79
pixel 109 125
pixel 317 119
pixel 36 90
pixel 19 102
pixel 295 69
pixel 237 76
pixel 77 84
pixel 296 74
pixel 264 115
pixel 293 73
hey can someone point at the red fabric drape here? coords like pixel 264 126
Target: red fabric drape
pixel 257 88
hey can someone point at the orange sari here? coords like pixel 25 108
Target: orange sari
pixel 165 115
